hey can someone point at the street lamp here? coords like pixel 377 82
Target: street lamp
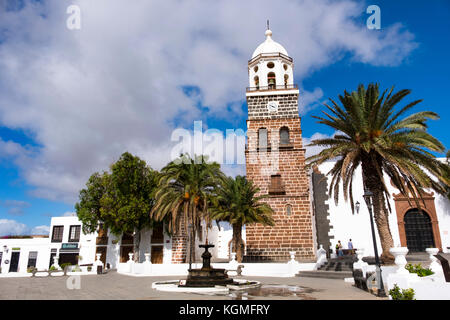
pixel 368 198
pixel 190 245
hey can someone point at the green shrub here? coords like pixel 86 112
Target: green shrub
pixel 64 265
pixel 30 269
pixel 417 268
pixel 52 268
pixel 89 268
pixel 405 294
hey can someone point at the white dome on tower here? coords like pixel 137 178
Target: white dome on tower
pixel 269 46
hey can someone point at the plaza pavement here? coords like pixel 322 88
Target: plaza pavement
pixel 117 286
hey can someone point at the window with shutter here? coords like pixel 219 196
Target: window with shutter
pixel 262 138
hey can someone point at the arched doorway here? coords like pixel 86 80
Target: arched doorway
pixel 418 230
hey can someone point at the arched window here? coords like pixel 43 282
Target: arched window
pixel 284 135
pixel 271 80
pixel 262 138
pixel 288 210
pixel 256 78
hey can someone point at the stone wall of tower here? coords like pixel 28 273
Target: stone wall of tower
pixel 180 244
pixel 291 232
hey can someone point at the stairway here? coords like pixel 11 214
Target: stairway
pixel 336 268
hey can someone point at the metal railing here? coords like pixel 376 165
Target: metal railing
pixel 272 87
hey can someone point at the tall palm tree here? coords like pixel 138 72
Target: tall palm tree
pixel 237 203
pixel 185 188
pixel 371 134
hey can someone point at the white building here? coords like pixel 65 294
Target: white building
pixel 68 242
pixel 409 227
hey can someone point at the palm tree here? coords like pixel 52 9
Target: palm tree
pixel 238 204
pixel 185 188
pixel 371 134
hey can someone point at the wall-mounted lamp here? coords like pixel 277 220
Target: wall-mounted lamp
pixel 357 204
pixel 5 248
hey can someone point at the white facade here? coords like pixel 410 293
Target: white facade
pixel 345 225
pixel 85 247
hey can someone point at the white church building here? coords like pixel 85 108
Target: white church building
pixel 330 222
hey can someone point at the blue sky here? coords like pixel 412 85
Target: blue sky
pixel 72 102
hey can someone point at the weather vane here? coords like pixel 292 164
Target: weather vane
pixel 268 24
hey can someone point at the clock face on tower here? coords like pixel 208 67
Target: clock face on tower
pixel 272 106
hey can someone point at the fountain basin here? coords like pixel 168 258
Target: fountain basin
pixel 174 286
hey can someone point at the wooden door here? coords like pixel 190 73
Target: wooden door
pixel 14 262
pixel 157 254
pixel 124 251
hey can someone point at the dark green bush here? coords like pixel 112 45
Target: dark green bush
pixel 405 294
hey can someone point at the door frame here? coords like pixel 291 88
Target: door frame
pixel 404 204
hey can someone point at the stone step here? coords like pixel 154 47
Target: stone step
pixel 336 269
pixel 325 274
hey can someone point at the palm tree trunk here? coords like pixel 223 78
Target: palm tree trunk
pixel 237 242
pixel 373 183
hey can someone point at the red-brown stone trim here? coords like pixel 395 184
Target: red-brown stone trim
pixel 402 206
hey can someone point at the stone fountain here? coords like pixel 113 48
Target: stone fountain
pixel 207 276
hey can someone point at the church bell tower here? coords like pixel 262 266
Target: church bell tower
pixel 275 157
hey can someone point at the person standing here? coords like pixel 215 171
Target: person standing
pixel 350 246
pixel 340 253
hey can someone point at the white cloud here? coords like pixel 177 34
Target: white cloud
pixel 116 85
pixel 313 150
pixel 15 207
pixel 40 230
pixel 69 214
pixel 12 227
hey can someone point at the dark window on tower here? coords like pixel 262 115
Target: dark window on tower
pixel 57 233
pixel 74 234
pixel 271 80
pixel 32 257
pixel 256 82
pixel 262 138
pixel 284 136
